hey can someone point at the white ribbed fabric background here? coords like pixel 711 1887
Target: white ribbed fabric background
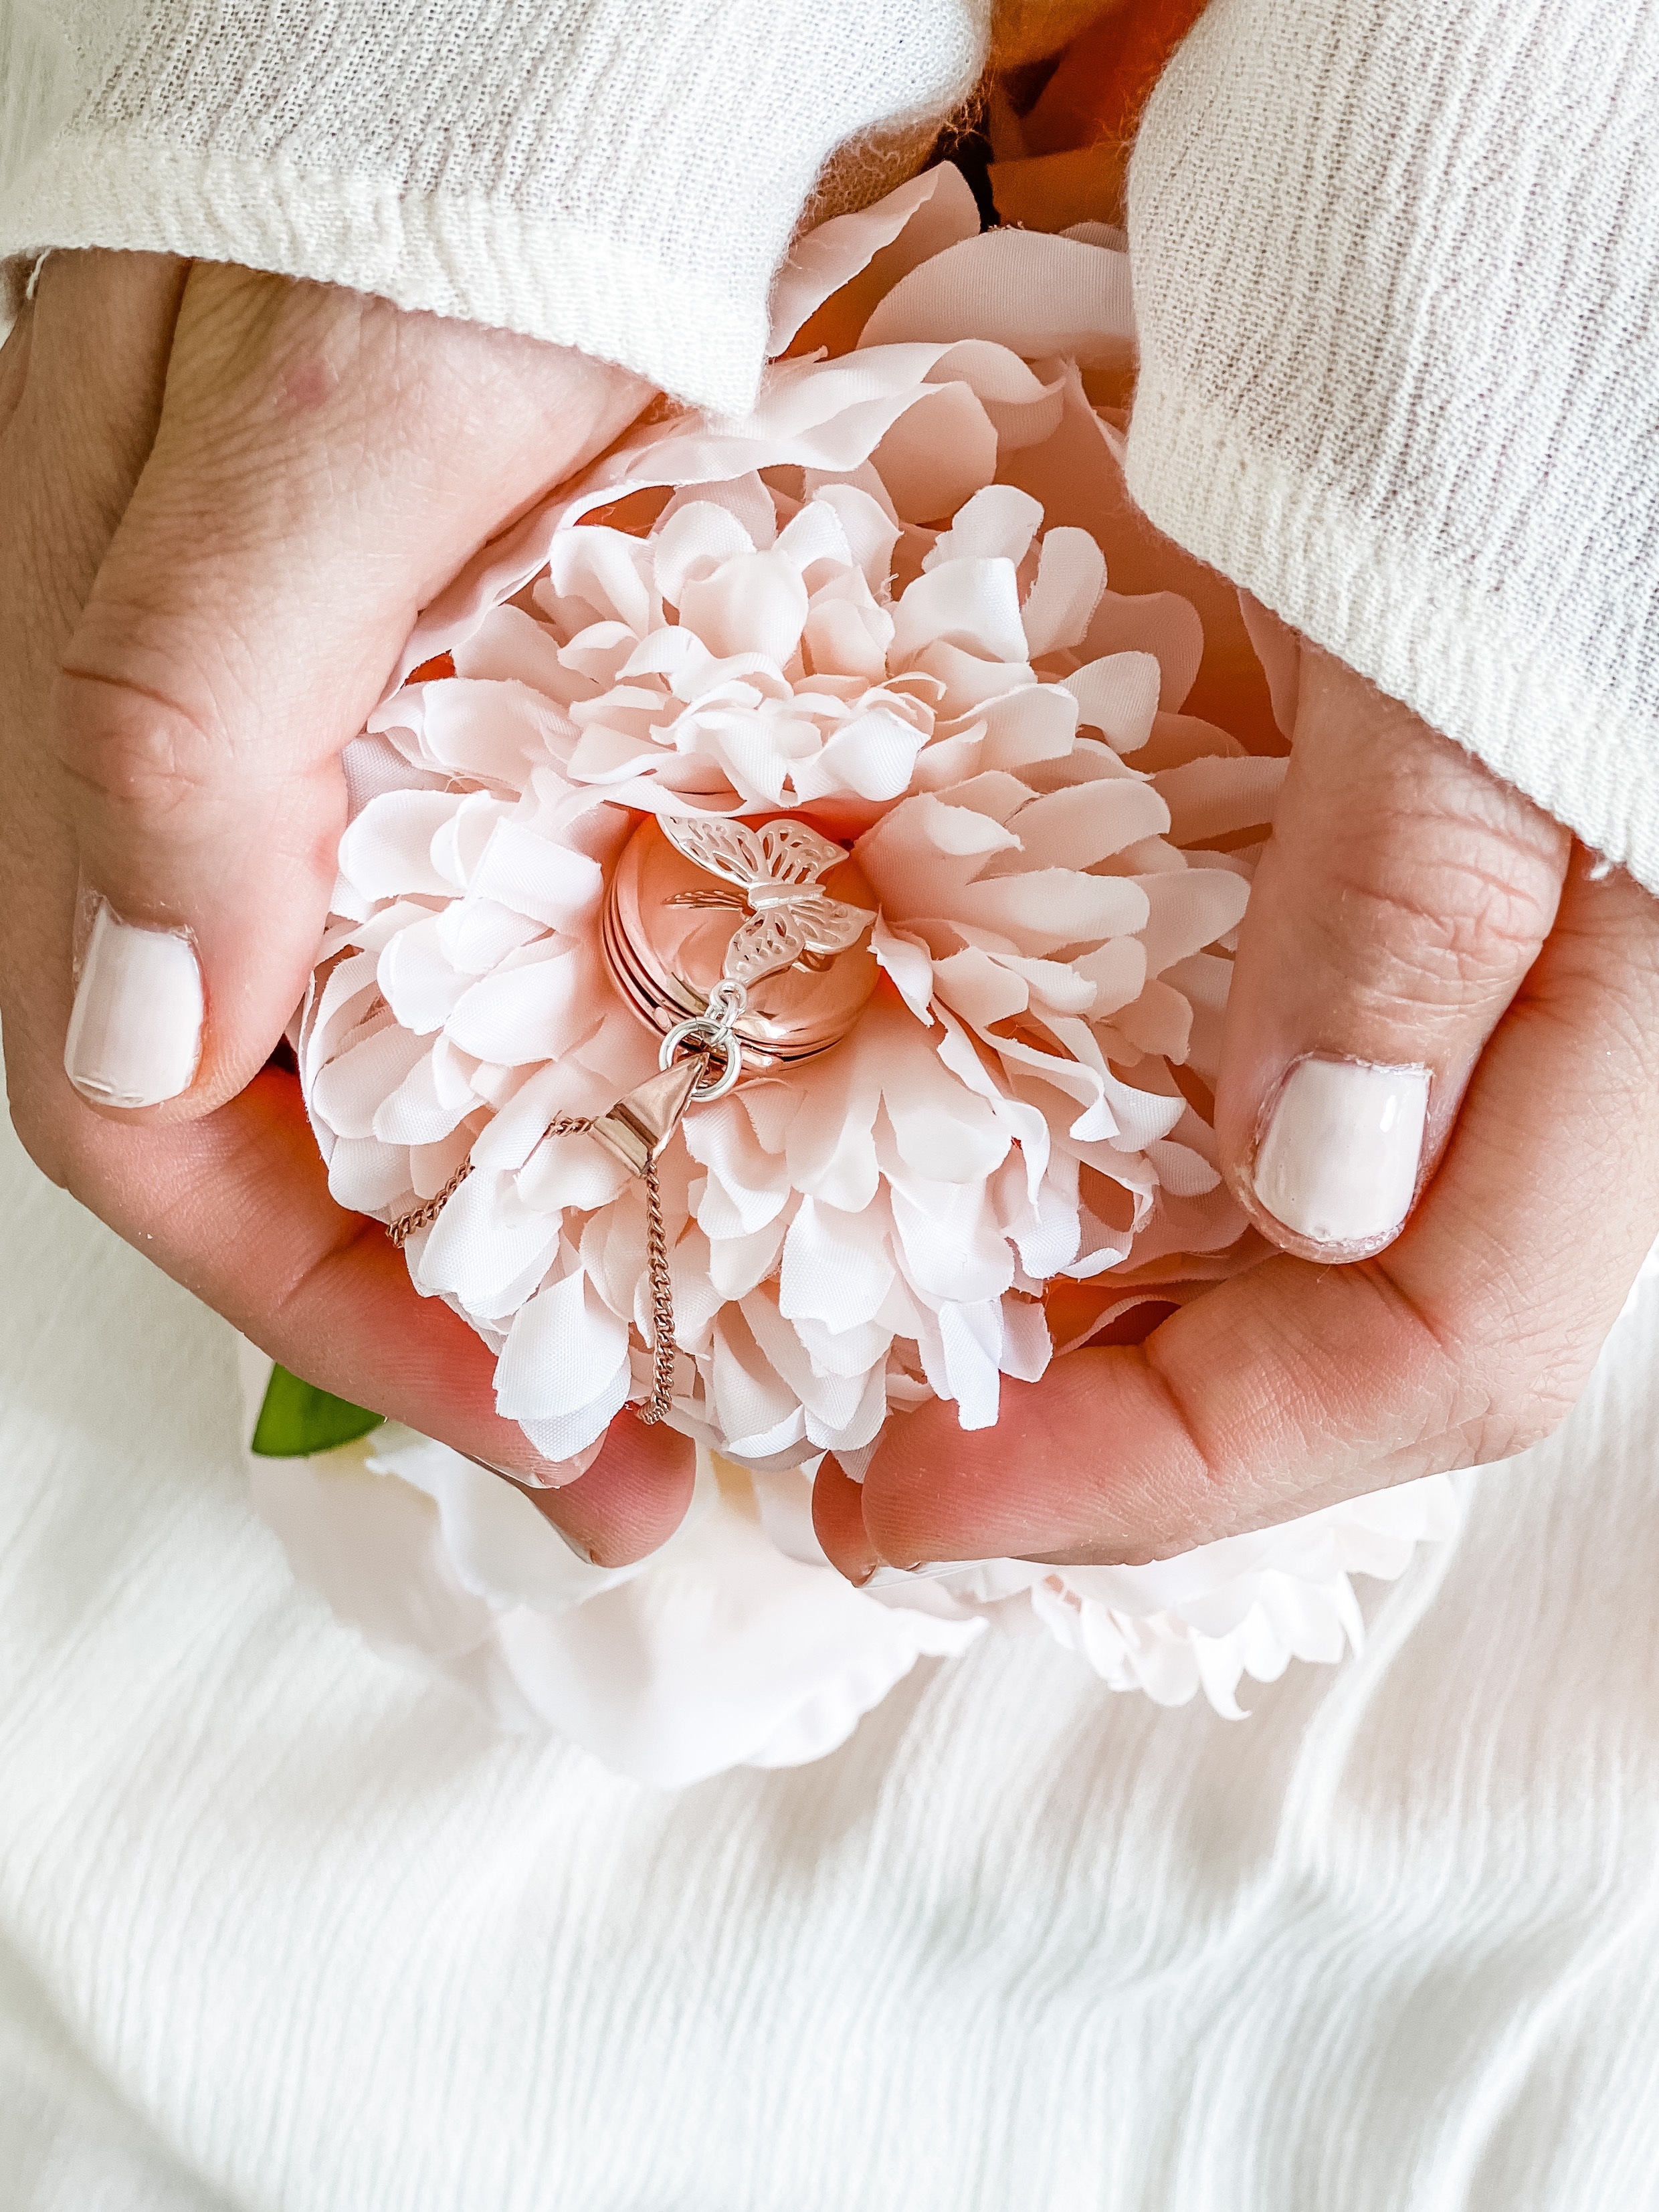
pixel 1397 278
pixel 622 175
pixel 283 1928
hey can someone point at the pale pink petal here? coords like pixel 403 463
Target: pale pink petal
pixel 1117 972
pixel 737 1264
pixel 1027 1347
pixel 971 604
pixel 531 1008
pixel 982 990
pixel 1188 911
pixel 427 1105
pixel 474 933
pixel 489 733
pixel 1075 829
pixel 997 524
pixel 1181 1170
pixel 1038 722
pixel 570 1171
pixel 565 1355
pixel 366 1177
pixel 907 228
pixel 1118 696
pixel 387 853
pixel 692 542
pixel 754 603
pixel 745 496
pixel 487 1248
pixel 938 453
pixel 1210 799
pixel 908 964
pixel 604 569
pixel 751 1402
pixel 842 640
pixel 349 1091
pixel 871 530
pixel 510 646
pixel 1036 295
pixel 536 876
pixel 815 541
pixel 874 754
pixel 1162 623
pixel 837 1267
pixel 458 844
pixel 1052 907
pixel 418 979
pixel 952 1250
pixel 970 1336
pixel 1070 579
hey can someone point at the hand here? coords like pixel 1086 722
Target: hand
pixel 1443 1015
pixel 223 497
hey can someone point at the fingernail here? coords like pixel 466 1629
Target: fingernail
pixel 580 1551
pixel 924 1570
pixel 1339 1163
pixel 135 1034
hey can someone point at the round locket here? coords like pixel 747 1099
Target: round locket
pixel 773 910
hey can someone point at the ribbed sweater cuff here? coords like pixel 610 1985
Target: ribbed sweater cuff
pixel 1411 626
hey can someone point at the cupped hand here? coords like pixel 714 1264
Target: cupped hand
pixel 1439 1096
pixel 223 498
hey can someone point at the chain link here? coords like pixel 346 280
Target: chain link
pixel 408 1224
pixel 664 1350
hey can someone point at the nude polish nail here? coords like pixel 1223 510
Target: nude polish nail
pixel 1338 1163
pixel 135 1034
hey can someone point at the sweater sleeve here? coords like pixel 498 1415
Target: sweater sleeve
pixel 619 175
pixel 1396 269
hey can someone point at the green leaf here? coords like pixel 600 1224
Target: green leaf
pixel 297 1418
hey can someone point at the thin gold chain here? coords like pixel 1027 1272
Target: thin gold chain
pixel 664 1350
pixel 662 1302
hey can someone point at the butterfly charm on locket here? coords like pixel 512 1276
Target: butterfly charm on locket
pixel 775 869
pixel 709 919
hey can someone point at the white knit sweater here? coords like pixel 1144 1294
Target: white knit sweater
pixel 1397 268
pixel 620 175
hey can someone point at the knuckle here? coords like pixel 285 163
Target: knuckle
pixel 1434 908
pixel 135 749
pixel 1512 1376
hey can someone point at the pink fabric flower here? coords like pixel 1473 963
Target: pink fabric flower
pixel 881 604
pixel 847 608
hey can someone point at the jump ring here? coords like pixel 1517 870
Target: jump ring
pixel 714 1038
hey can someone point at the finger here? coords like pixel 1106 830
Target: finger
pixel 236 1206
pixel 633 1497
pixel 1404 894
pixel 838 1523
pixel 1288 1388
pixel 13 363
pixel 84 418
pixel 323 464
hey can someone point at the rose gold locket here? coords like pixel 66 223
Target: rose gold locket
pixel 768 922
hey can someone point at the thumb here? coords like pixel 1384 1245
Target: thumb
pixel 323 462
pixel 1401 899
